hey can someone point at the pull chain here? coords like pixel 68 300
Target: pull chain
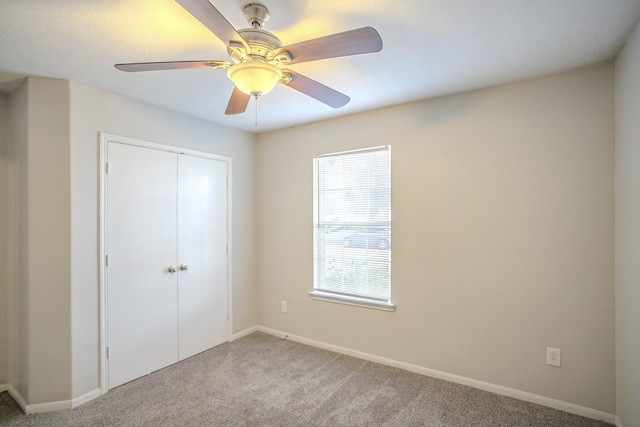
pixel 257 109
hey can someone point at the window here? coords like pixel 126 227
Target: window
pixel 352 228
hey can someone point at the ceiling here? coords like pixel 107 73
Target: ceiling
pixel 431 48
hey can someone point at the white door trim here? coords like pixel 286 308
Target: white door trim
pixel 105 138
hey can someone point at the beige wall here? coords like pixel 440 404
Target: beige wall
pixel 4 238
pixel 503 229
pixel 41 339
pixel 16 311
pixel 627 92
pixel 94 111
pixel 49 241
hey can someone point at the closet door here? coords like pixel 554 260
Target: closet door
pixel 202 254
pixel 141 237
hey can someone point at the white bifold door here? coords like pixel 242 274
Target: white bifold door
pixel 166 243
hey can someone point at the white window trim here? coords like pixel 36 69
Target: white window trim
pixel 319 295
pixel 355 301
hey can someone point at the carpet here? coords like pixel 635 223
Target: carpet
pixel 262 380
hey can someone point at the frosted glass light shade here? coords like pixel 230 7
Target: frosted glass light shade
pixel 254 78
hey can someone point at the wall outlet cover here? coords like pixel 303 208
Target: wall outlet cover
pixel 554 356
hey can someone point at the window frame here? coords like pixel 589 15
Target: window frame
pixel 323 294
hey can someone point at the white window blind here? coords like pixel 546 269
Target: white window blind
pixel 352 227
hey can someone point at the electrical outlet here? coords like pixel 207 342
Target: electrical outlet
pixel 283 306
pixel 554 357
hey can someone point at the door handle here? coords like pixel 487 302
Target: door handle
pixel 172 269
pixel 184 267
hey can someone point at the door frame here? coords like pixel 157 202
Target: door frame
pixel 105 138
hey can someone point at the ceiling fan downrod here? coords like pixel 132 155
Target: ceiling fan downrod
pixel 256 14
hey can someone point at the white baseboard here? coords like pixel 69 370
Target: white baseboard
pixel 243 333
pixel 618 422
pixel 4 387
pixel 50 406
pixel 17 397
pixel 494 388
pixel 84 398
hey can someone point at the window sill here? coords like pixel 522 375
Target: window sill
pixel 358 302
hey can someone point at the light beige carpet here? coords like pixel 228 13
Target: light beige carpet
pixel 261 380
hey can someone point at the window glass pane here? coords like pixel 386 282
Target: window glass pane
pixel 352 224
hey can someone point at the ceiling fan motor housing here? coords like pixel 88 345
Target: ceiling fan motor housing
pixel 262 44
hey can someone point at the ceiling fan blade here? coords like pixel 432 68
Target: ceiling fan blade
pixel 316 90
pixel 238 102
pixel 211 18
pixel 353 42
pixel 170 65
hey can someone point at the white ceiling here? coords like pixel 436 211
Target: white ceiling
pixel 431 48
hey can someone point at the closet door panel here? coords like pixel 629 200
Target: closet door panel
pixel 202 254
pixel 141 224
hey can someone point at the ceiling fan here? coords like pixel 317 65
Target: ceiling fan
pixel 258 59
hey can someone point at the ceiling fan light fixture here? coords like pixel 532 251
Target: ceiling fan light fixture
pixel 254 78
